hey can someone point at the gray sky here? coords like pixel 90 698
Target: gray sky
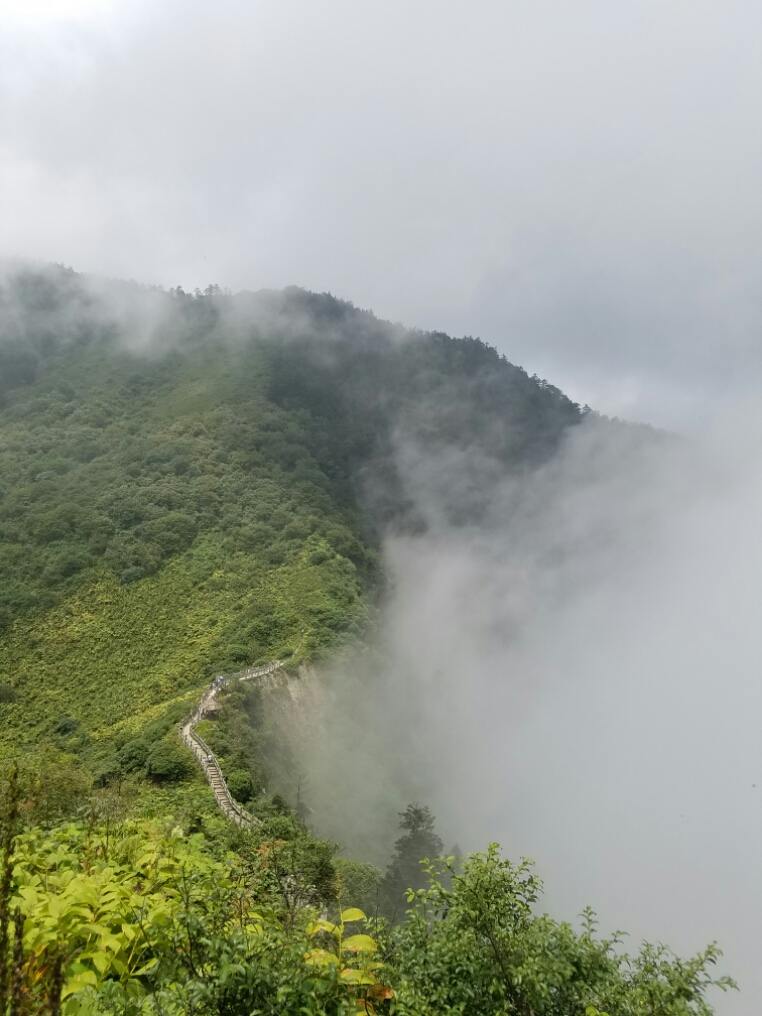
pixel 578 183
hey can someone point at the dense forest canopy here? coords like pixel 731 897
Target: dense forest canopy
pixel 191 484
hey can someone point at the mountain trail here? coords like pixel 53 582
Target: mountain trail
pixel 204 754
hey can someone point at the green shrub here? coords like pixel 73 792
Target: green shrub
pixel 474 943
pixel 106 771
pixel 166 722
pixel 56 787
pixel 132 574
pixel 280 805
pixel 7 692
pixel 134 755
pixel 358 884
pixel 168 762
pixel 67 726
pixel 240 785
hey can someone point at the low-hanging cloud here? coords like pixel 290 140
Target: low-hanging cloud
pixel 577 183
pixel 577 677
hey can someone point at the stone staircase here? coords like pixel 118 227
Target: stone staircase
pixel 204 754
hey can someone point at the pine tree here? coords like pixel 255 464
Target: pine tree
pixel 404 872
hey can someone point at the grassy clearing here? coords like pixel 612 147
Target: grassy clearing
pixel 110 653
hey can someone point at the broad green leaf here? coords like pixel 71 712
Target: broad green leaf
pixel 78 982
pixel 321 958
pixel 351 976
pixel 101 961
pixel 359 943
pixel 352 914
pixel 146 967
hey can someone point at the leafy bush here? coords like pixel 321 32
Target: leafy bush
pixel 474 944
pixel 169 761
pixel 240 785
pixel 67 726
pixel 7 692
pixel 54 786
pixel 133 756
pixel 359 884
pixel 132 574
pixel 106 771
pixel 182 931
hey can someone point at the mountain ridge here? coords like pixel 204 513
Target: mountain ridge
pixel 192 484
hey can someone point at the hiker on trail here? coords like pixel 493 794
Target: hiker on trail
pixel 210 758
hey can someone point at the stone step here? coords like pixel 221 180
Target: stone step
pixel 212 770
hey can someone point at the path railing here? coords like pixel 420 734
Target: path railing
pixel 204 754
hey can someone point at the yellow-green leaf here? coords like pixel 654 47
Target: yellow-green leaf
pixel 102 962
pixel 320 958
pixel 380 991
pixel 351 976
pixel 146 967
pixel 352 914
pixel 359 943
pixel 78 982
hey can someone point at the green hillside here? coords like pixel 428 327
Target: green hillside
pixel 199 483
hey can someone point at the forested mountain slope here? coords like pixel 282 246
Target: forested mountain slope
pixel 195 483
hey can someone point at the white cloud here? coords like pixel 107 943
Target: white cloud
pixel 45 12
pixel 576 183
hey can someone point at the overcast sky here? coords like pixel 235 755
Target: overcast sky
pixel 577 183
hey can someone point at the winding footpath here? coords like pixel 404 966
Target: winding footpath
pixel 204 754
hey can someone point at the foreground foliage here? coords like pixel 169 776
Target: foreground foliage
pixel 139 917
pixel 473 944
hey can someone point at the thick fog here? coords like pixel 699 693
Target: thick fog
pixel 576 183
pixel 578 678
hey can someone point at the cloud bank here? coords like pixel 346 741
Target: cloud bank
pixel 578 184
pixel 578 678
